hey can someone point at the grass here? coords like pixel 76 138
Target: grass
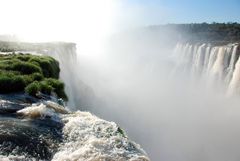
pixel 23 67
pixel 49 66
pixel 10 82
pixel 30 73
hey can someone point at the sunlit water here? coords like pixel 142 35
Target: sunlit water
pixel 47 131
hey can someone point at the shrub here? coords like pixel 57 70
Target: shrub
pixel 23 57
pixel 11 83
pixel 27 78
pixel 5 86
pixel 18 83
pixel 54 83
pixel 24 67
pixel 58 87
pixel 37 77
pixel 33 88
pixel 50 67
pixel 45 88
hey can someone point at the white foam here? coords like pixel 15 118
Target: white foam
pixel 15 158
pixel 38 111
pixel 89 138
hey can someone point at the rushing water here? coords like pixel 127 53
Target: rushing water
pixel 218 64
pixel 80 95
pixel 48 131
pixel 147 93
pixel 40 129
pixel 34 129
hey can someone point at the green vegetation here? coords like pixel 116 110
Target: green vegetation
pixel 11 46
pixel 10 82
pixel 50 67
pixel 30 73
pixel 33 88
pixel 195 32
pixel 212 32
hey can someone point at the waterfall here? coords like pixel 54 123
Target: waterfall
pixel 235 80
pixel 206 58
pixel 198 61
pixel 217 70
pixel 232 63
pixel 219 64
pixel 80 95
pixel 39 129
pixel 66 55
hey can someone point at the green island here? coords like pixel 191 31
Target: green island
pixel 30 74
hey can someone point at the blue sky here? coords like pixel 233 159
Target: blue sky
pixel 183 11
pixel 101 17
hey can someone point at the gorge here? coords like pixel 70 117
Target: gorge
pixel 173 92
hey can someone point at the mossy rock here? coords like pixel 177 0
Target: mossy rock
pixel 30 73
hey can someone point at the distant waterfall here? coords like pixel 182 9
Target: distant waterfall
pixel 220 64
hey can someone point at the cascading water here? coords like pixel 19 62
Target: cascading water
pixel 80 95
pixel 33 129
pixel 83 136
pixel 235 81
pixel 220 64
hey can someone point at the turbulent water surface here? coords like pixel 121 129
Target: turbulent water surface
pixel 47 131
